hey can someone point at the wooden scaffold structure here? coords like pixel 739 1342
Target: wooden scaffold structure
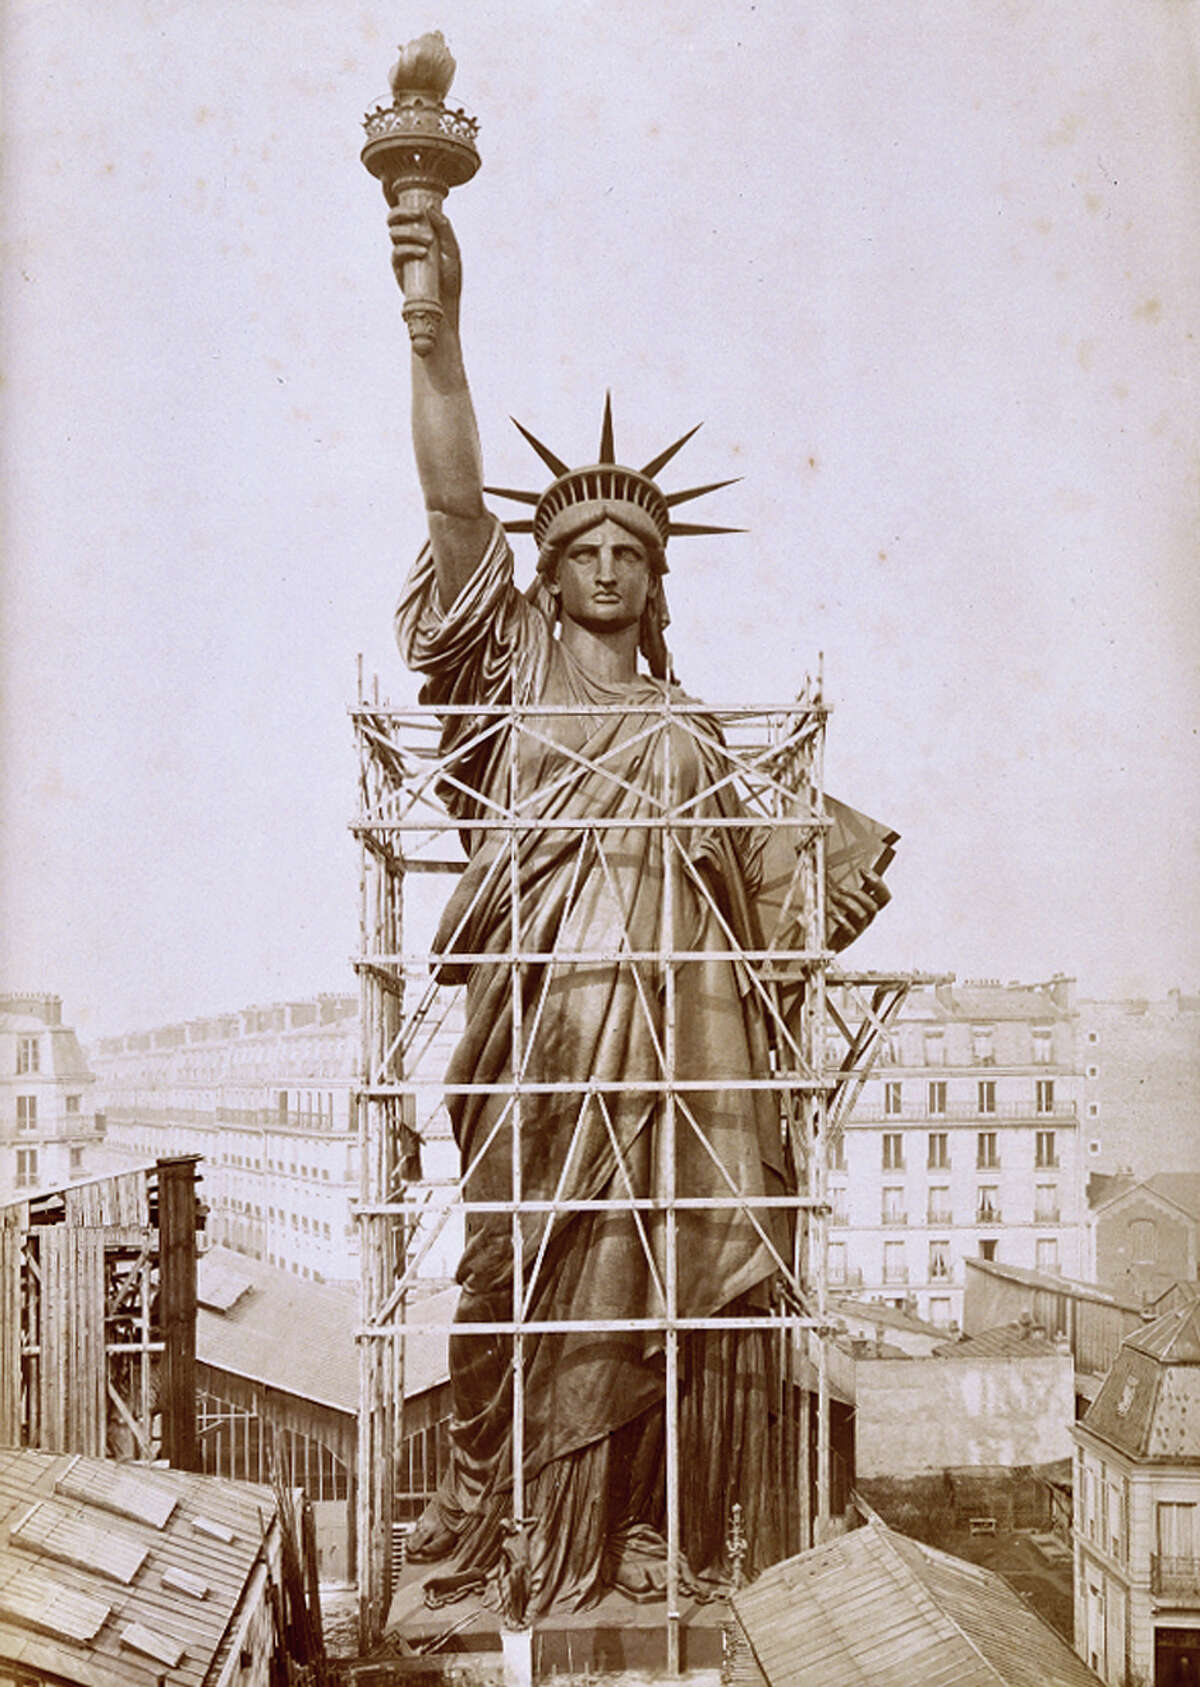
pixel 825 1026
pixel 98 1316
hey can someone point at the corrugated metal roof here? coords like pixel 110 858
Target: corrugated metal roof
pixel 257 1335
pixel 63 1619
pixel 1054 1284
pixel 874 1609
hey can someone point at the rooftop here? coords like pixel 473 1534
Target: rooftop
pixel 248 1314
pixel 112 1574
pixel 1056 1285
pixel 1019 1340
pixel 1182 1189
pixel 875 1609
pixel 1149 1403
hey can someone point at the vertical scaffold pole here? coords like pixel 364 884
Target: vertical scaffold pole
pixel 671 1404
pixel 517 1059
pixel 820 1115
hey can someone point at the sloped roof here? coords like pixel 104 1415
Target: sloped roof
pixel 874 1609
pixel 1006 1341
pixel 1055 1284
pixel 1149 1403
pixel 297 1335
pixel 1182 1189
pixel 61 1618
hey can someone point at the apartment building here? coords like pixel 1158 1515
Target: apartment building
pixel 964 1143
pixel 49 1132
pixel 266 1097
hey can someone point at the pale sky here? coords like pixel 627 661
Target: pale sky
pixel 928 270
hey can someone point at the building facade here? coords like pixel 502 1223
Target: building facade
pixel 1141 1078
pixel 49 1132
pixel 964 1143
pixel 1137 1511
pixel 1145 1236
pixel 266 1097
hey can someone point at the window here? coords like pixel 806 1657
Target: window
pixel 1093 1036
pixel 73 1103
pixel 1044 1154
pixel 939 1260
pixel 76 1159
pixel 987 1248
pixel 989 1204
pixel 1092 1072
pixel 939 1151
pixel 939 1205
pixel 894 1268
pixel 1045 1095
pixel 893 1151
pixel 892 1102
pixel 1047 1255
pixel 986 1102
pixel 1043 1047
pixel 1177 1533
pixel 937 1097
pixel 27 1112
pixel 935 1048
pixel 837 1200
pixel 1093 1109
pixel 837 1155
pixel 939 1311
pixel 837 1262
pixel 1045 1203
pixel 27 1167
pixel 1116 1522
pixel 1143 1241
pixel 981 1045
pixel 893 1206
pixel 29 1054
pixel 986 1154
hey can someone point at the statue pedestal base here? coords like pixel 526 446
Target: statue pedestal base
pixel 613 1636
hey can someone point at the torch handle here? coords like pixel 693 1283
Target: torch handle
pixel 419 279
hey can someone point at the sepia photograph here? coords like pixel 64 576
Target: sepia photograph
pixel 600 843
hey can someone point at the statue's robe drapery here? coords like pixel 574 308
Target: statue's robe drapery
pixel 593 1419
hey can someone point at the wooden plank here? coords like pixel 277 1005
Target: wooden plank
pixel 12 1252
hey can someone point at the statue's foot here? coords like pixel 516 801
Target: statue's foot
pixel 430 1539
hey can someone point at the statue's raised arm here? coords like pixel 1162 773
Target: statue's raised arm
pixel 445 434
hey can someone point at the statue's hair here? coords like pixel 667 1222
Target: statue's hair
pixel 655 616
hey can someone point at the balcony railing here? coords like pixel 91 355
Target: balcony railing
pixel 895 1274
pixel 850 1278
pixel 988 1215
pixel 1175 1578
pixel 1052 1215
pixel 871 1112
pixel 894 1218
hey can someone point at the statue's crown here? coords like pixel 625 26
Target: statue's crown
pixel 607 482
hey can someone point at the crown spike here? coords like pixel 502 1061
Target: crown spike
pixel 674 498
pixel 608 452
pixel 680 529
pixel 553 463
pixel 664 457
pixel 512 492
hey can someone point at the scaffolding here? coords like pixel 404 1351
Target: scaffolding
pixel 764 785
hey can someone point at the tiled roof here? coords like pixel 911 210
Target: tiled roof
pixel 874 1609
pixel 298 1335
pixel 101 1567
pixel 1007 1341
pixel 1149 1403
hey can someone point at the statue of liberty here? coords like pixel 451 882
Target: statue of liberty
pixel 586 642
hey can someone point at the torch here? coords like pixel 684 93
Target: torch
pixel 420 148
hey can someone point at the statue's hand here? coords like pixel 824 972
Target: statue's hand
pixel 428 234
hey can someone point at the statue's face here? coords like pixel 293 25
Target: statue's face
pixel 604 578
